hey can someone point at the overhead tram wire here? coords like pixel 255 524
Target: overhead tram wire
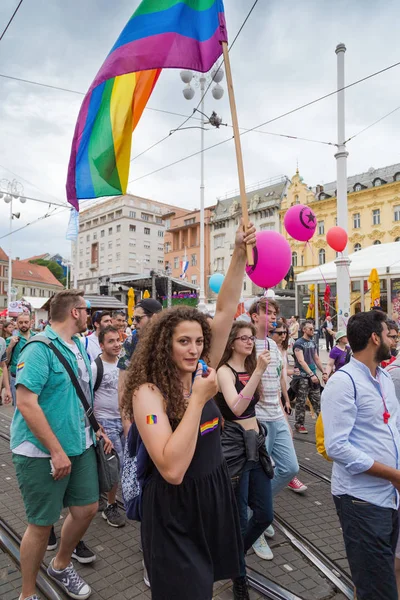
pixel 203 96
pixel 11 20
pixel 45 216
pixel 290 112
pixel 48 202
pixel 372 124
pixel 30 183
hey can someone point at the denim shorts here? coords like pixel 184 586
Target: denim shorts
pixel 115 431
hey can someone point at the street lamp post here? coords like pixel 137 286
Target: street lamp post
pixel 201 79
pixel 9 191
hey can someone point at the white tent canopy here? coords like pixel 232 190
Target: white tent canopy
pixel 385 258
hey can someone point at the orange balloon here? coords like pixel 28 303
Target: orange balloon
pixel 337 238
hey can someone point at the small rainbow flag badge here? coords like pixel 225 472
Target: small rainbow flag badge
pixel 151 419
pixel 209 426
pixel 20 366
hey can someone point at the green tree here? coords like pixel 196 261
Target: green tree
pixel 53 266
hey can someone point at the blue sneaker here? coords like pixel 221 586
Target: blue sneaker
pixel 262 549
pixel 73 584
pixel 269 532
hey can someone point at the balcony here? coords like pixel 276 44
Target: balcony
pixel 94 266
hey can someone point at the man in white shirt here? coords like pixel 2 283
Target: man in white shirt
pixel 269 409
pixel 106 410
pixel 101 319
pixel 361 419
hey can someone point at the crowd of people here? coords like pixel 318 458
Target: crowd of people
pixel 210 399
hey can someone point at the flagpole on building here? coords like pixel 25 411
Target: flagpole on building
pixel 238 146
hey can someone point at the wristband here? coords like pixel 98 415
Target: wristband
pixel 245 397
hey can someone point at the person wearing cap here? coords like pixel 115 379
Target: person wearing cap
pixel 338 356
pixel 144 311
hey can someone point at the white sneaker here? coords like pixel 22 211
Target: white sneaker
pixel 262 549
pixel 269 532
pixel 145 575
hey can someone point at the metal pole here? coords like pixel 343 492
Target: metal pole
pixel 75 259
pixel 202 305
pixel 9 258
pixel 169 292
pixel 153 286
pixel 67 282
pixel 342 262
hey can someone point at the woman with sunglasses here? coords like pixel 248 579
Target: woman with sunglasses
pixel 280 336
pixel 239 380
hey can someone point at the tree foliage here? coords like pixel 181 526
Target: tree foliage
pixel 53 266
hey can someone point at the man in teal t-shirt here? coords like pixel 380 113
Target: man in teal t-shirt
pixel 15 344
pixel 53 446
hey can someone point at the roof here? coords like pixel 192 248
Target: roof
pixel 38 257
pixel 105 302
pixel 366 179
pixel 36 303
pixel 3 255
pixel 144 281
pixel 382 257
pixel 24 271
pixel 268 196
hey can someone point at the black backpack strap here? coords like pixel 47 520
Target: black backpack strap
pixel 99 374
pixel 74 380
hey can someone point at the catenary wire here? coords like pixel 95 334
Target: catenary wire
pixel 372 124
pixel 45 216
pixel 30 183
pixel 11 20
pixel 273 119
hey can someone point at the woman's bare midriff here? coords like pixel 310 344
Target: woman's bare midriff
pixel 249 424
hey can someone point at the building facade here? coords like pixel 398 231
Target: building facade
pixel 373 214
pixel 182 243
pixel 121 236
pixel 264 202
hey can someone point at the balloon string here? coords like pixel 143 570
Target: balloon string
pixel 319 266
pixel 266 344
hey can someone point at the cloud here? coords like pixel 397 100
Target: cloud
pixel 284 57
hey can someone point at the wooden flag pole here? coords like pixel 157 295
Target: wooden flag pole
pixel 238 147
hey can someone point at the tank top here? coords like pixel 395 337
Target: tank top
pixel 241 380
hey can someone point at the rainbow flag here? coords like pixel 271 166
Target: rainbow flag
pixel 185 34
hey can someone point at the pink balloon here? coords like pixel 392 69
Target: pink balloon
pixel 272 259
pixel 300 222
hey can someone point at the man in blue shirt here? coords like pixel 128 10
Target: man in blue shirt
pixel 361 419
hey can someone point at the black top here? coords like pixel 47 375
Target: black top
pixel 241 379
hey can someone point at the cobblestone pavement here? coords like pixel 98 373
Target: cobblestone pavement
pixel 117 573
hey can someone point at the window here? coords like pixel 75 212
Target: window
pixel 377 182
pixel 110 231
pixel 110 244
pixel 95 236
pixel 132 255
pixel 118 256
pixel 147 231
pixel 376 217
pixel 110 216
pixel 161 248
pixel 81 252
pixel 321 256
pixel 88 238
pixel 356 221
pixel 219 241
pixel 194 279
pixel 132 227
pixel 167 247
pixel 160 233
pixel 193 260
pixel 87 251
pixel 118 228
pixel 132 214
pixel 167 223
pixel 102 233
pixel 376 243
pixel 118 213
pixel 357 247
pixel 220 264
pixel 81 265
pixel 160 261
pixel 146 246
pixel 190 221
pixel 102 246
pixel 110 258
pixel 147 258
pixel 294 259
pixel 87 263
pixel 176 262
pixel 321 227
pixel 296 199
pixel 102 219
pixel 358 187
pixel 302 260
pixel 145 216
pixel 159 221
pixel 397 213
pixel 132 243
pixel 268 226
pixel 397 177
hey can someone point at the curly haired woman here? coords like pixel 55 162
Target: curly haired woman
pixel 190 526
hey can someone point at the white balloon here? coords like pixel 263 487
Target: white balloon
pixel 270 294
pixel 247 303
pixel 244 317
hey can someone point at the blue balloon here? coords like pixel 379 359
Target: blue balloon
pixel 88 305
pixel 216 282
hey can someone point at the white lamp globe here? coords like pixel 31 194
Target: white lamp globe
pixel 218 75
pixel 7 199
pixel 217 92
pixel 186 76
pixel 22 199
pixel 188 92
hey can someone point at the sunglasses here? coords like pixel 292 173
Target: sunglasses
pixel 139 318
pixel 280 332
pixel 246 338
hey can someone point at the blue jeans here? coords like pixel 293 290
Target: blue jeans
pixel 253 490
pixel 370 535
pixel 115 431
pixel 279 444
pixel 13 389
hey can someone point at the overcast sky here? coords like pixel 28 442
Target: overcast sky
pixel 284 57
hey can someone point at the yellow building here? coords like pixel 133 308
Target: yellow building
pixel 373 213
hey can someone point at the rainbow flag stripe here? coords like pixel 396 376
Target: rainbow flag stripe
pixel 209 426
pixel 185 34
pixel 151 419
pixel 20 366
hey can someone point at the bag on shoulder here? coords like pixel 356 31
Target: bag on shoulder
pixel 319 425
pixel 136 471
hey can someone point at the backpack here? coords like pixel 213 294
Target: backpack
pixel 99 374
pixel 136 471
pixel 319 425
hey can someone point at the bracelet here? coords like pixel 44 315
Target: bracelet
pixel 245 397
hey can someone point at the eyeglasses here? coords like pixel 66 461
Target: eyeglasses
pixel 81 308
pixel 246 338
pixel 139 318
pixel 280 332
pixel 394 337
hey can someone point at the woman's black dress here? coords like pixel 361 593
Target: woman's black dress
pixel 190 532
